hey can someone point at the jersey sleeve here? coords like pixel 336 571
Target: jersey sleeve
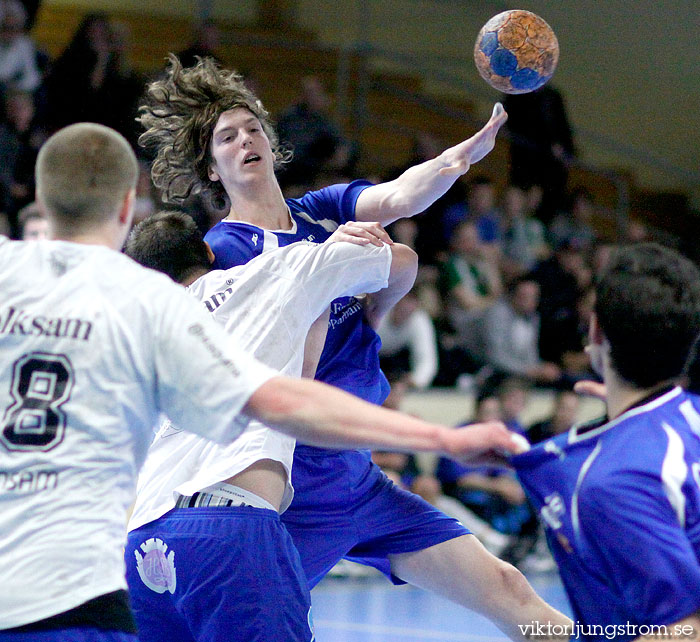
pixel 332 270
pixel 336 202
pixel 637 543
pixel 233 245
pixel 203 378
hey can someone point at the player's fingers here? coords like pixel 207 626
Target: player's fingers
pixel 591 389
pixel 380 233
pixel 351 238
pixel 363 233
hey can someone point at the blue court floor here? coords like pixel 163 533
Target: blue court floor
pixel 372 610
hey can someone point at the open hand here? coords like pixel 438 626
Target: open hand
pixel 361 233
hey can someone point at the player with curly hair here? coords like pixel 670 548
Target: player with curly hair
pixel 212 136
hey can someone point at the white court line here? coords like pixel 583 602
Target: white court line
pixel 418 634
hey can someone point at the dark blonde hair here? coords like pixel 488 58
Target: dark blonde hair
pixel 179 116
pixel 83 174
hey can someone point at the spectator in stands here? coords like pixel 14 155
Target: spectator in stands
pixel 574 224
pixel 127 83
pixel 206 39
pixel 86 82
pixel 482 210
pixel 566 338
pixel 542 144
pixel 33 225
pixel 315 140
pixel 523 235
pixel 493 494
pixel 20 140
pixel 511 335
pixel 18 55
pixel 561 278
pixel 566 407
pixel 409 348
pixel 405 471
pixel 470 284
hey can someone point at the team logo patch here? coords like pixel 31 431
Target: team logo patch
pixel 156 566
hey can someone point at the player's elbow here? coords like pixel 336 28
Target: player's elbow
pixel 404 264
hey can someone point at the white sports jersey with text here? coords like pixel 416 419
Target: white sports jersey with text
pixel 269 305
pixel 92 348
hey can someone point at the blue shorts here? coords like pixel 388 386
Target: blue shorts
pixel 345 506
pixel 78 634
pixel 217 574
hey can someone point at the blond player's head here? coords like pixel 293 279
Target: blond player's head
pixel 85 179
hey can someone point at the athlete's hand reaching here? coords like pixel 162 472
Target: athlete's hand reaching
pixel 361 233
pixel 591 389
pixel 459 158
pixel 489 442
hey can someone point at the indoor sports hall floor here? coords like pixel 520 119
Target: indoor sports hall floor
pixel 372 610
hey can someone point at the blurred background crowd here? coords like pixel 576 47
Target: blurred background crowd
pixel 507 264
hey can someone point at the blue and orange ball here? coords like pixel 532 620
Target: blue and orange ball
pixel 516 52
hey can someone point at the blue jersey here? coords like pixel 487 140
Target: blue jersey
pixel 350 358
pixel 620 502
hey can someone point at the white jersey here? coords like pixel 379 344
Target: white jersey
pixel 92 348
pixel 269 305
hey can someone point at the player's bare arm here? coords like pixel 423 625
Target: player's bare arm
pixel 325 416
pixel 421 185
pixel 313 347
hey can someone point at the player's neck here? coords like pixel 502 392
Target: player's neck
pixel 192 276
pixel 264 208
pixel 91 237
pixel 621 396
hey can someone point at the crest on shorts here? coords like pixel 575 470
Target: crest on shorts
pixel 156 566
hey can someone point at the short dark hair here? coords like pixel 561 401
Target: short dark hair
pixel 648 307
pixel 169 242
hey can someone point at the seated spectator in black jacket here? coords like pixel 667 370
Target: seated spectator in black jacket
pixel 564 415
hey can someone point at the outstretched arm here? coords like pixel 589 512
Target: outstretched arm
pixel 421 185
pixel 324 416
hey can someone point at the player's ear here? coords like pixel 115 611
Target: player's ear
pixel 213 176
pixel 126 210
pixel 210 254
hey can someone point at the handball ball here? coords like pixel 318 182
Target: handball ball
pixel 516 52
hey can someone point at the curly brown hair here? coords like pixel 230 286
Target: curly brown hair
pixel 179 115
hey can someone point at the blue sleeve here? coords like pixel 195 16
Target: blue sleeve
pixel 336 202
pixel 636 542
pixel 233 245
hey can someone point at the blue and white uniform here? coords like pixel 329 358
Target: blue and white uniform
pixel 621 505
pixel 199 565
pixel 343 504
